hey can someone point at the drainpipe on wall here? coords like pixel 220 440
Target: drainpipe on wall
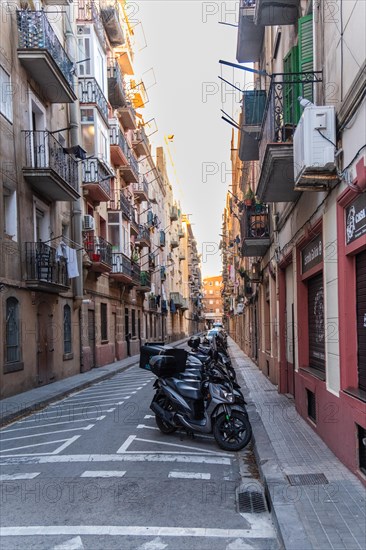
pixel 77 206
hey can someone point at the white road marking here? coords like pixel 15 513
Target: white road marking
pixel 66 444
pixel 34 445
pixel 149 416
pixel 141 426
pixel 56 416
pixel 197 449
pixel 188 475
pixel 12 477
pixel 239 544
pixel 52 424
pixel 103 473
pixel 126 444
pixel 89 427
pixel 94 402
pixel 45 458
pixel 155 544
pixel 127 530
pixel 72 544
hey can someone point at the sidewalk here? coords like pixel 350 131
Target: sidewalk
pixel 37 398
pixel 323 516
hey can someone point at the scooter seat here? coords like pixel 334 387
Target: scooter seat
pixel 186 388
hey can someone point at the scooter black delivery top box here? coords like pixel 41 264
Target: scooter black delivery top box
pixel 149 351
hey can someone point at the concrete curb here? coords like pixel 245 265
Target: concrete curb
pixel 290 530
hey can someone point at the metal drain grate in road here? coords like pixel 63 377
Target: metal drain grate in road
pixel 307 479
pixel 252 503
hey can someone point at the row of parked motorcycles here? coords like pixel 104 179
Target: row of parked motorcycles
pixel 198 391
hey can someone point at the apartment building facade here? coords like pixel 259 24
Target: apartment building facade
pixel 212 300
pixel 302 135
pixel 84 210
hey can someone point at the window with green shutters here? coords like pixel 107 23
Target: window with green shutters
pixel 298 60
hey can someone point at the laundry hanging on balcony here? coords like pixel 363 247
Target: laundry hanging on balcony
pixel 68 253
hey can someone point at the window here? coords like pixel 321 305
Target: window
pixel 12 343
pixel 103 322
pixel 10 213
pixel 6 101
pixel 133 322
pixel 210 302
pixel 67 330
pixel 210 283
pixel 217 283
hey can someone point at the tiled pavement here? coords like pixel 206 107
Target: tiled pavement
pixel 324 516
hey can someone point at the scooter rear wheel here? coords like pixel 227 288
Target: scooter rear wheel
pixel 163 426
pixel 234 433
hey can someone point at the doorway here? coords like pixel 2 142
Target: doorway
pixel 91 336
pixel 45 344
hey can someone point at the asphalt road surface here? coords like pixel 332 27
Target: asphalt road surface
pixel 93 471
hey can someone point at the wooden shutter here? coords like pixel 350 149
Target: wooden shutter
pixel 361 318
pixel 291 107
pixel 316 323
pixel 305 46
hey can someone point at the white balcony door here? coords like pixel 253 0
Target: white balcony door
pixel 38 141
pixel 41 217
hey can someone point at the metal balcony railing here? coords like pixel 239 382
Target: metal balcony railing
pixel 177 298
pixel 114 73
pixel 141 186
pixel 145 279
pixel 136 271
pixel 43 151
pixel 43 265
pixel 282 110
pixel 153 305
pixel 99 250
pixel 91 93
pixel 144 234
pixel 162 238
pixel 133 162
pixel 121 264
pixel 94 171
pixel 88 11
pixel 117 137
pixel 255 222
pixel 35 33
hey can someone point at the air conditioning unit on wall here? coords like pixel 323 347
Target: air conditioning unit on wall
pixel 314 152
pixel 88 223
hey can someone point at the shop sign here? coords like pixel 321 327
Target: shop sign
pixel 356 219
pixel 312 254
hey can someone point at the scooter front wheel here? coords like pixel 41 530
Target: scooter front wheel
pixel 163 426
pixel 233 432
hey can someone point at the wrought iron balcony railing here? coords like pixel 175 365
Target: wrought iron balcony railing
pixel 43 151
pixel 144 234
pixel 121 264
pixel 91 93
pixel 94 171
pixel 43 265
pixel 282 111
pixel 141 186
pixel 88 11
pixel 116 86
pixel 255 230
pixel 162 238
pixel 99 250
pixel 145 279
pixel 121 202
pixel 117 138
pixel 136 271
pixel 35 33
pixel 133 162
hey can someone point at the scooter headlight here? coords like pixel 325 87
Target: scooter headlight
pixel 230 397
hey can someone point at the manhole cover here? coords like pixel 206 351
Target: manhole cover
pixel 307 479
pixel 252 503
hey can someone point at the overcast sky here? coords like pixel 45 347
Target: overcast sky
pixel 184 44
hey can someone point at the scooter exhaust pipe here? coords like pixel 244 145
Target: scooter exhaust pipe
pixel 165 415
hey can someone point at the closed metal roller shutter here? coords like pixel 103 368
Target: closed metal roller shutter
pixel 316 323
pixel 361 317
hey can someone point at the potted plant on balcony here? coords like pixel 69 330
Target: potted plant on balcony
pixel 249 197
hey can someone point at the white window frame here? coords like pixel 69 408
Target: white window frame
pixel 46 225
pixel 6 95
pixel 10 213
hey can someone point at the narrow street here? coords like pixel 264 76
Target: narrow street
pixel 93 471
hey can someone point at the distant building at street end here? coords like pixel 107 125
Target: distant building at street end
pixel 212 300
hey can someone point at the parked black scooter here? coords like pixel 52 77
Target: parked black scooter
pixel 198 406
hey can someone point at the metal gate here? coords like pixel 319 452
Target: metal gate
pixel 361 318
pixel 316 323
pixel 91 337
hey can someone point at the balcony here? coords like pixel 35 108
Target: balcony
pixel 177 298
pixel 125 60
pixel 254 102
pixel 163 273
pixel 173 213
pixel 140 143
pixel 153 305
pixel 127 116
pixel 255 231
pixel 182 256
pixel 130 172
pixel 44 272
pixel 181 234
pixel 184 305
pixel 119 147
pixel 121 268
pixel 143 237
pixel 111 16
pixel 88 12
pixel 134 225
pixel 136 273
pixel 174 243
pixel 121 202
pixel 43 57
pixel 48 169
pixel 152 261
pixel 141 189
pixel 116 86
pixel 100 253
pixel 145 282
pixel 276 12
pixel 276 180
pixel 91 94
pixel 250 35
pixel 162 238
pixel 96 178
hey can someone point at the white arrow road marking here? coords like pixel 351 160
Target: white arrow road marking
pixel 103 473
pixel 155 544
pixel 41 458
pixel 125 530
pixel 141 426
pixel 12 477
pixel 188 475
pixel 71 544
pixel 126 444
pixel 239 544
pixel 89 427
